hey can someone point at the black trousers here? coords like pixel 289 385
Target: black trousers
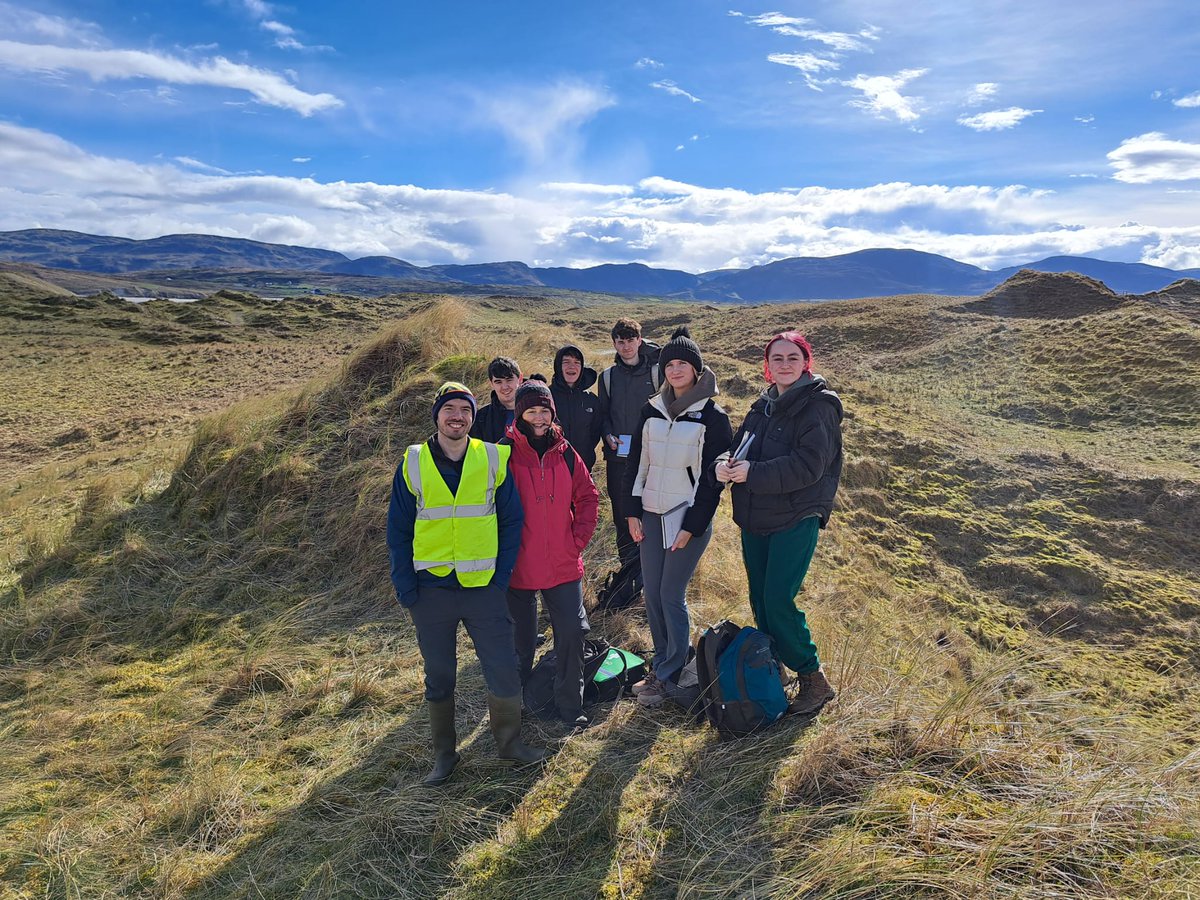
pixel 627 548
pixel 564 604
pixel 485 615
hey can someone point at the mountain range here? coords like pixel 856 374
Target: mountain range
pixel 864 273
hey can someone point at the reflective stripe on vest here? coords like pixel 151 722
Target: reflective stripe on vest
pixel 456 532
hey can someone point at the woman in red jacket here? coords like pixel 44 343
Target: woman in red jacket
pixel 561 504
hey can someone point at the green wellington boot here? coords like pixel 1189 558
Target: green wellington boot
pixel 445 742
pixel 506 729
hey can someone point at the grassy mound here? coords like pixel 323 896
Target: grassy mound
pixel 1045 295
pixel 210 691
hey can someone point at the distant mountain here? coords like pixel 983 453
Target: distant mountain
pixel 73 250
pixel 630 278
pixel 865 273
pixel 1124 278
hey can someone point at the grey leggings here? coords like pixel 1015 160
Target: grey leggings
pixel 666 574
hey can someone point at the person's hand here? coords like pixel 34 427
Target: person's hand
pixel 738 471
pixel 681 540
pixel 722 471
pixel 635 529
pixel 611 440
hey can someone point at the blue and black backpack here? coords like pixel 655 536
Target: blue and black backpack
pixel 740 679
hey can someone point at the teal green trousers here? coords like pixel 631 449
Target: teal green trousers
pixel 775 567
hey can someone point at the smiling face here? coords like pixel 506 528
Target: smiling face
pixel 506 389
pixel 572 368
pixel 785 362
pixel 454 419
pixel 538 418
pixel 680 375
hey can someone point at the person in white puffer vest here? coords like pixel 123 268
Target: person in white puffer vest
pixel 669 502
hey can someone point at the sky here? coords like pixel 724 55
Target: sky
pixel 681 134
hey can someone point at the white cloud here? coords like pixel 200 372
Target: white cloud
pixel 285 35
pixel 674 90
pixel 103 65
pixel 791 26
pixel 982 92
pixel 301 159
pixel 1085 120
pixel 581 187
pixel 21 22
pixel 647 63
pixel 1153 157
pixel 49 182
pixel 997 119
pixel 1191 101
pixel 201 166
pixel 544 121
pixel 882 94
pixel 805 62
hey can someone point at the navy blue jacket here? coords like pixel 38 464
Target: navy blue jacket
pixel 402 516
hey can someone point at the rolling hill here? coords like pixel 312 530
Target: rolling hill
pixel 208 690
pixel 866 273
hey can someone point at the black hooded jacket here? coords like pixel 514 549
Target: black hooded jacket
pixel 796 457
pixel 578 409
pixel 491 421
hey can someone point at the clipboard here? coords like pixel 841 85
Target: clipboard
pixel 672 524
pixel 743 449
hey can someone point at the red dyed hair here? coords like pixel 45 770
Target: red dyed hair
pixel 793 337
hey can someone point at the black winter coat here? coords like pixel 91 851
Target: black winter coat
pixel 796 458
pixel 578 410
pixel 491 421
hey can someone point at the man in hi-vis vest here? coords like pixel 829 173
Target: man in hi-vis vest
pixel 454 529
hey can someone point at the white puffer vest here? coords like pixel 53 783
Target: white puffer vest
pixel 669 468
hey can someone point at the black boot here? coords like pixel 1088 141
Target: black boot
pixel 445 741
pixel 506 729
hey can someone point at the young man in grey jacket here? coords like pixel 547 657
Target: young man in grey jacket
pixel 625 386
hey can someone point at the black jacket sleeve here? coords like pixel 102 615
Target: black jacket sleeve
pixel 718 436
pixel 631 505
pixel 814 449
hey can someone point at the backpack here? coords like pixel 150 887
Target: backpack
pixel 740 678
pixel 607 671
pixel 568 457
pixel 655 376
pixel 621 589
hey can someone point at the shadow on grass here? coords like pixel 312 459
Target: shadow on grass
pixel 375 830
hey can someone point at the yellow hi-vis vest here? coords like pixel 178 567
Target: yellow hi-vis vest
pixel 457 532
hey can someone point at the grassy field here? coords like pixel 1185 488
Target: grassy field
pixel 208 690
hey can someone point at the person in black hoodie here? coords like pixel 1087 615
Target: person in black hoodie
pixel 578 408
pixel 784 469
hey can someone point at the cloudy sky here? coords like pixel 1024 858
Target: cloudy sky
pixel 679 133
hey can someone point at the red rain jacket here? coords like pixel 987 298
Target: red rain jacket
pixel 560 512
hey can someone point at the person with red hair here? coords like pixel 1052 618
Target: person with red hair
pixel 783 469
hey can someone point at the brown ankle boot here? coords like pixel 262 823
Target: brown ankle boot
pixel 813 691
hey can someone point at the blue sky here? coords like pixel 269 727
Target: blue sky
pixel 678 133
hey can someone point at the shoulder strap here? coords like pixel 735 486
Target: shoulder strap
pixel 569 455
pixel 606 377
pixel 655 376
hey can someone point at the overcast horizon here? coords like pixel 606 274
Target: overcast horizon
pixel 685 135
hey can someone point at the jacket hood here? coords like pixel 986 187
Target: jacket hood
pixel 810 387
pixel 520 443
pixel 704 389
pixel 587 377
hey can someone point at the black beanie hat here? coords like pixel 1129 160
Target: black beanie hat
pixel 453 390
pixel 681 346
pixel 531 394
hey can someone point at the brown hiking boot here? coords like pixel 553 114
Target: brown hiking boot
pixel 813 692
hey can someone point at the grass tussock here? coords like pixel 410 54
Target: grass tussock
pixel 208 690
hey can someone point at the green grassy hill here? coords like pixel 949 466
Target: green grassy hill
pixel 209 691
